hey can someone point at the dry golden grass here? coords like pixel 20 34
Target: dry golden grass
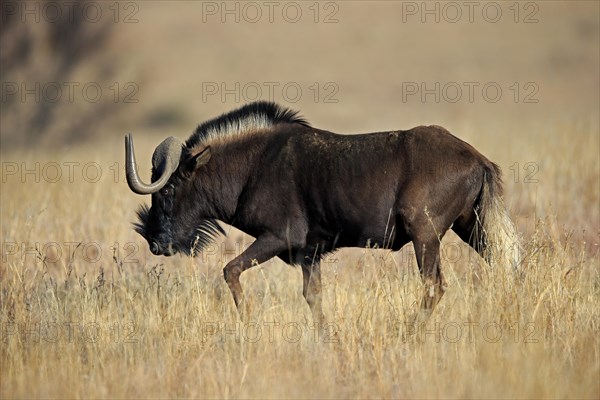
pixel 90 321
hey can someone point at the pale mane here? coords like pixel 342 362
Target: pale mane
pixel 249 119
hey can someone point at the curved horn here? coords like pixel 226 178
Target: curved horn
pixel 164 160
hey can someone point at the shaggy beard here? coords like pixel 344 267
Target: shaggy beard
pixel 205 233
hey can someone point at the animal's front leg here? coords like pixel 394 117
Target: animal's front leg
pixel 311 272
pixel 264 248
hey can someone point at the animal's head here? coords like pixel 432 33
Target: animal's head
pixel 175 221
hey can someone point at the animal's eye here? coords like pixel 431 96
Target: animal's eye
pixel 165 191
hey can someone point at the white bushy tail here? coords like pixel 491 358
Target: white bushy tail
pixel 501 244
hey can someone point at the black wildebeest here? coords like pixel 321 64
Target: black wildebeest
pixel 303 192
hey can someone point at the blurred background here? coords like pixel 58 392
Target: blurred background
pixel 518 80
pixel 90 71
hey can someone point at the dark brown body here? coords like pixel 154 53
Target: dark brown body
pixel 335 190
pixel 303 192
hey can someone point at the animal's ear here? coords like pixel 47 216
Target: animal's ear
pixel 196 162
pixel 201 158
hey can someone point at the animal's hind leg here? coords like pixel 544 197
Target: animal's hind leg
pixel 466 229
pixel 428 259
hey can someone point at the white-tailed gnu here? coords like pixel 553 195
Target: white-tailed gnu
pixel 303 192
